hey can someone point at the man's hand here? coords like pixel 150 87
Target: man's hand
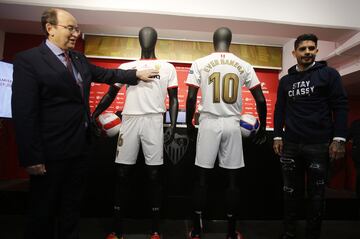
pixel 37 169
pixel 278 146
pixel 260 136
pixel 146 75
pixel 336 150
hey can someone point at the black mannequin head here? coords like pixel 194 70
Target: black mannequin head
pixel 147 39
pixel 222 39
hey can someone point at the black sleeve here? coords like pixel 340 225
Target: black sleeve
pixel 111 76
pixel 338 104
pixel 25 105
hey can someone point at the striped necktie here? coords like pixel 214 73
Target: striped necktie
pixel 68 63
pixel 70 69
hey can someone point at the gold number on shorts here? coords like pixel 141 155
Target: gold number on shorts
pixel 120 140
pixel 230 83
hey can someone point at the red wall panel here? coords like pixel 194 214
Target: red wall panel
pixel 268 78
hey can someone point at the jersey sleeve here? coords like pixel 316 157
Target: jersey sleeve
pixel 194 75
pixel 173 81
pixel 251 79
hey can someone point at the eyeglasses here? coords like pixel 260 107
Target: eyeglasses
pixel 71 29
pixel 303 48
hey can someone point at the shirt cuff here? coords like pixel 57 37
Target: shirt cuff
pixel 277 138
pixel 339 139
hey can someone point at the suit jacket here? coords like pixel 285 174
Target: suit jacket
pixel 49 112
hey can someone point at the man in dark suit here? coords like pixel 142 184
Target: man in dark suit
pixel 51 114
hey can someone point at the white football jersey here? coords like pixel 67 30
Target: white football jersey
pixel 221 76
pixel 149 97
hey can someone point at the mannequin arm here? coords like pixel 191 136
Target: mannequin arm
pixel 104 103
pixel 190 109
pixel 174 108
pixel 261 108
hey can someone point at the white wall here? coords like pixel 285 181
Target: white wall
pixel 327 13
pixel 2 41
pixel 287 58
pixel 349 67
pixel 325 48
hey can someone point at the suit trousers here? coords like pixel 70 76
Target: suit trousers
pixel 55 199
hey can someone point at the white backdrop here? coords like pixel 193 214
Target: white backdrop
pixel 6 71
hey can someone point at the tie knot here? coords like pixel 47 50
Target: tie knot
pixel 66 54
pixel 67 59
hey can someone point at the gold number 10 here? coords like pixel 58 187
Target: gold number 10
pixel 229 91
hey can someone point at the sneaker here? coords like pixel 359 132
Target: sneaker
pixel 237 236
pixel 114 236
pixel 155 235
pixel 192 235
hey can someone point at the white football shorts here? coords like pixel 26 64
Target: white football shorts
pixel 145 129
pixel 219 136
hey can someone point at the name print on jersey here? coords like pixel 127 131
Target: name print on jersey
pixel 301 88
pixel 222 61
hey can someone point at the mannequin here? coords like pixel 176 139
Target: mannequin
pixel 147 40
pixel 221 39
